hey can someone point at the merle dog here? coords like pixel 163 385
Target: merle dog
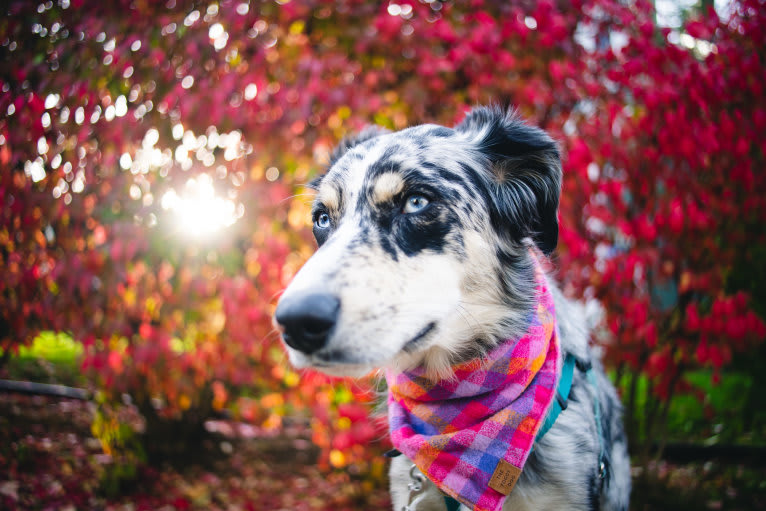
pixel 426 244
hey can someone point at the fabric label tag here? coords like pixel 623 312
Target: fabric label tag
pixel 504 478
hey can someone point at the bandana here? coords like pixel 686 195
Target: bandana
pixel 471 434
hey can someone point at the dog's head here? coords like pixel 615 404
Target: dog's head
pixel 424 245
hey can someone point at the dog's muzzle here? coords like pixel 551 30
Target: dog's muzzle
pixel 306 320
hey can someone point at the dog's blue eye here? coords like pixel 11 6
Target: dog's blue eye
pixel 323 221
pixel 414 204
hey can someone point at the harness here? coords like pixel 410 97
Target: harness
pixel 563 390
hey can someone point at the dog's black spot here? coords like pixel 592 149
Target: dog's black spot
pixel 341 198
pixel 467 208
pixel 477 348
pixel 388 247
pixel 391 151
pixel 456 196
pixel 450 185
pixel 335 356
pixel 573 395
pixel 511 264
pixel 386 163
pixel 381 166
pixel 382 214
pixel 456 240
pixel 365 234
pixel 422 231
pixel 509 259
pixel 607 410
pixel 607 413
pixel 429 166
pixel 440 132
pixel 472 175
pixel 314 183
pixel 413 344
pixel 508 137
pixel 321 235
pixel 361 239
pixel 332 275
pixel 477 181
pixel 453 178
pixel 594 492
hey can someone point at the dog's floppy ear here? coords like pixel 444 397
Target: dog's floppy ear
pixel 347 143
pixel 526 174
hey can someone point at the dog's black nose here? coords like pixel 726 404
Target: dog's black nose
pixel 307 319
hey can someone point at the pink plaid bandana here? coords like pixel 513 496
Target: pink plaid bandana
pixel 472 434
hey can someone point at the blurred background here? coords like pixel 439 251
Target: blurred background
pixel 152 207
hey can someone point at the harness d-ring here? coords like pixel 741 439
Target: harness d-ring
pixel 416 488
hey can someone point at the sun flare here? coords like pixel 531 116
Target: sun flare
pixel 198 211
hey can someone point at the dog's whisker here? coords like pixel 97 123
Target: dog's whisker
pixel 273 336
pixel 275 294
pixel 298 196
pixel 466 315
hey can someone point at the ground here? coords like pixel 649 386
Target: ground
pixel 49 459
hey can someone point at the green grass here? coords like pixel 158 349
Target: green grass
pixel 717 417
pixel 720 414
pixel 57 348
pixel 52 357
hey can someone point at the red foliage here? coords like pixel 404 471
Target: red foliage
pixel 108 106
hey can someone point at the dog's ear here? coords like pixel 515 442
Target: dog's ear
pixel 525 174
pixel 347 143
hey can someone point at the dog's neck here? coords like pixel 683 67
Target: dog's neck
pixel 462 430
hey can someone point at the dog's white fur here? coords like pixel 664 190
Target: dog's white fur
pixel 435 287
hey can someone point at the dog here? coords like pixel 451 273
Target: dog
pixel 430 244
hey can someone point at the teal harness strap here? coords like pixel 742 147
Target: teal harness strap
pixel 562 395
pixel 452 504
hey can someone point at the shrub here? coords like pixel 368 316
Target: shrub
pixel 153 151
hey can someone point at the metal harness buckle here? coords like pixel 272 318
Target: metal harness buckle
pixel 416 488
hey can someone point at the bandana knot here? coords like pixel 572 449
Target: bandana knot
pixel 472 434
